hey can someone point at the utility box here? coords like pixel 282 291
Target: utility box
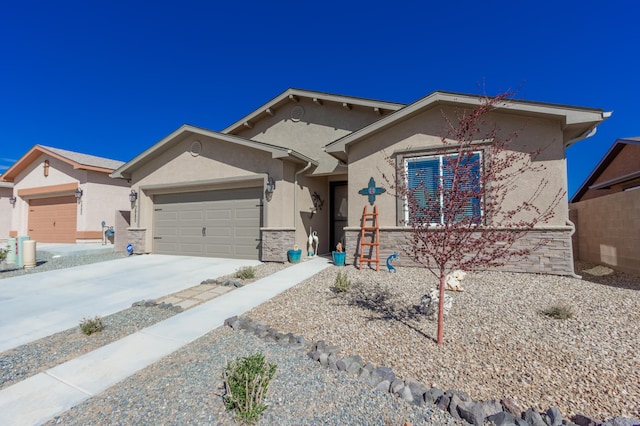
pixel 29 253
pixel 20 250
pixel 11 254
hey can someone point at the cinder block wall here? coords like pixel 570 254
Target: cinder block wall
pixel 554 257
pixel 608 230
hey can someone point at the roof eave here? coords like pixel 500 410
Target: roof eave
pixel 290 95
pixel 124 172
pixel 581 121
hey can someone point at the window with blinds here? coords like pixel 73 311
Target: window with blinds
pixel 444 188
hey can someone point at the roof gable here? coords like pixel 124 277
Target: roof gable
pixel 590 183
pixel 577 122
pixel 126 169
pixel 294 95
pixel 75 159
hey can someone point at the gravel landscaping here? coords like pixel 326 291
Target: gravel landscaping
pixel 498 344
pixel 48 262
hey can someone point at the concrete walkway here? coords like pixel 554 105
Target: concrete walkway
pixel 45 395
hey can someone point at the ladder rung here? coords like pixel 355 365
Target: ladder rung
pixel 370 244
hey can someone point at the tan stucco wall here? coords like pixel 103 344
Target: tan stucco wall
pixel 608 230
pixel 219 165
pixel 6 211
pixel 320 125
pixel 368 158
pixel 102 196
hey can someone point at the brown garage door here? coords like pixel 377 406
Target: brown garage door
pixel 224 223
pixel 53 220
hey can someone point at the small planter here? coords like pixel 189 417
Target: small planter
pixel 339 258
pixel 294 256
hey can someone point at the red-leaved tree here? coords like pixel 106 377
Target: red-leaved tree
pixel 460 201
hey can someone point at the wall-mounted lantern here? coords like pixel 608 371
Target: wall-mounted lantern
pixel 12 200
pixel 133 196
pixel 78 193
pixel 271 185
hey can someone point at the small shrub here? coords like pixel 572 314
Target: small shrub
pixel 3 253
pixel 246 381
pixel 559 311
pixel 246 273
pixel 342 283
pixel 91 325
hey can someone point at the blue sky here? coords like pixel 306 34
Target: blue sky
pixel 113 78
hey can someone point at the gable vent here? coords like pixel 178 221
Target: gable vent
pixel 297 112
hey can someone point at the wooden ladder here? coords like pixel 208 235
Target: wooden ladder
pixel 370 231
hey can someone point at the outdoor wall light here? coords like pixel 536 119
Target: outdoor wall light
pixel 78 193
pixel 133 196
pixel 12 200
pixel 271 185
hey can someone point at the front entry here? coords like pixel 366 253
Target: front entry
pixel 339 213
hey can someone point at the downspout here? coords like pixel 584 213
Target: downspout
pixel 295 200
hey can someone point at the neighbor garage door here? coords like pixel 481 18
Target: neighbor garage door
pixel 223 223
pixel 53 220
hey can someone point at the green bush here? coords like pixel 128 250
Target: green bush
pixel 246 273
pixel 91 325
pixel 342 283
pixel 3 254
pixel 246 381
pixel 559 311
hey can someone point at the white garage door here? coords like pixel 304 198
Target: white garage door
pixel 224 223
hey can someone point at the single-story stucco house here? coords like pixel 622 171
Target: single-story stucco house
pixel 606 209
pixel 63 196
pixel 296 164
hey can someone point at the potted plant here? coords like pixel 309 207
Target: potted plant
pixel 294 255
pixel 339 255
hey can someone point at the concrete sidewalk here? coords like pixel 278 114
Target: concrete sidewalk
pixel 45 395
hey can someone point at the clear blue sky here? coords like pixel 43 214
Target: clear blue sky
pixel 113 78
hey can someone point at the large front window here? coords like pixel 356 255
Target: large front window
pixel 443 189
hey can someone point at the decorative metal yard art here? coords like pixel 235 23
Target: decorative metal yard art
pixel 391 258
pixel 371 191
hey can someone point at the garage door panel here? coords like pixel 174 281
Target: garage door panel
pixel 231 217
pixel 53 220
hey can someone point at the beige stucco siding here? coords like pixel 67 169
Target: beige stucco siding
pixel 368 158
pixel 319 125
pixel 219 165
pixel 6 211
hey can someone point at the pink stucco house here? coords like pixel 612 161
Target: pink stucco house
pixel 63 196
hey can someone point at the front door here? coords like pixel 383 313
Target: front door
pixel 339 213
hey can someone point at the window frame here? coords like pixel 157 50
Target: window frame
pixel 404 205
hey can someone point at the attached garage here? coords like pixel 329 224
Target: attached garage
pixel 53 219
pixel 221 223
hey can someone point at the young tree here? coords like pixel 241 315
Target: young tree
pixel 460 202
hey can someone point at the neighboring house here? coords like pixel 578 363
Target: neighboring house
pixel 295 165
pixel 6 192
pixel 606 209
pixel 64 196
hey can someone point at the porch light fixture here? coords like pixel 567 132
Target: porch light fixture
pixel 133 196
pixel 271 185
pixel 78 193
pixel 12 200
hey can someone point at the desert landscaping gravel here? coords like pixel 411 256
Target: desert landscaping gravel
pixel 497 344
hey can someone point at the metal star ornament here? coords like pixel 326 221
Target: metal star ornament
pixel 371 191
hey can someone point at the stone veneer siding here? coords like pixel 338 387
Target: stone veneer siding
pixel 137 237
pixel 276 242
pixel 555 257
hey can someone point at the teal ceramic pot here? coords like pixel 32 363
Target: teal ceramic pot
pixel 339 258
pixel 294 256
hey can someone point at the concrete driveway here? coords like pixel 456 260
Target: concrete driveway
pixel 37 305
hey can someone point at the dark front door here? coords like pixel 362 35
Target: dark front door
pixel 339 212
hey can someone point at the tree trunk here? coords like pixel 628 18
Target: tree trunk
pixel 441 309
